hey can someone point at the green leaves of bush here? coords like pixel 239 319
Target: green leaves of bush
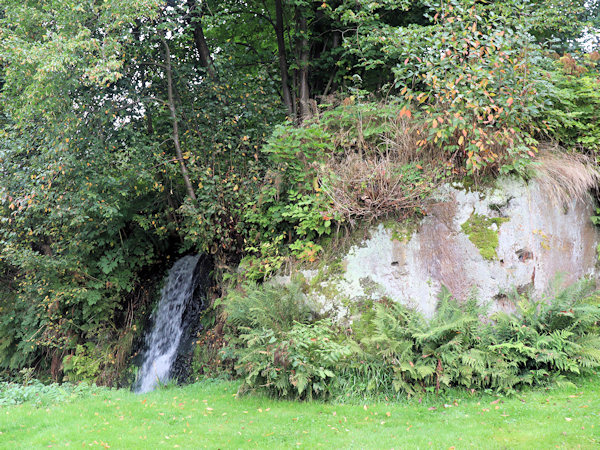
pixel 274 307
pixel 299 363
pixel 44 394
pixel 274 345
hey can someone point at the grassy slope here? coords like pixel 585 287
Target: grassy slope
pixel 211 416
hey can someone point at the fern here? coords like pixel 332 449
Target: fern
pixel 299 363
pixel 544 340
pixel 266 306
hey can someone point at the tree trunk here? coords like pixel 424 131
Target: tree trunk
pixel 283 66
pixel 173 110
pixel 335 44
pixel 199 39
pixel 303 54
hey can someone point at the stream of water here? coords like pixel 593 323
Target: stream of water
pixel 163 341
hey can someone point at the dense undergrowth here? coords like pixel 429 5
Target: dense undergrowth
pixel 277 346
pixel 114 162
pixel 40 394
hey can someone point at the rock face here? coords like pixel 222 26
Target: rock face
pixel 494 241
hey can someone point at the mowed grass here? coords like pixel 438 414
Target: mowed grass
pixel 210 415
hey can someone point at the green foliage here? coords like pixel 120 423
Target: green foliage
pixel 275 346
pixel 80 366
pixel 44 394
pixel 572 115
pixel 350 162
pixel 543 341
pixel 552 336
pixel 481 109
pixel 266 306
pixel 395 351
pixel 297 363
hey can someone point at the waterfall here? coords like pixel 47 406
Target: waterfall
pixel 162 343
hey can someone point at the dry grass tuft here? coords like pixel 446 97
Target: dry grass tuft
pixel 367 188
pixel 566 176
pixel 388 176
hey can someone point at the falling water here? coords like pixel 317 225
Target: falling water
pixel 163 341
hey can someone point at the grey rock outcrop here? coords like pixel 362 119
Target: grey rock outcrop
pixel 518 239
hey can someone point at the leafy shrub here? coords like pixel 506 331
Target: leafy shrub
pixel 81 366
pixel 551 337
pixel 477 76
pixel 299 363
pixel 572 115
pixel 352 161
pixel 274 345
pixel 42 394
pixel 424 354
pixel 398 352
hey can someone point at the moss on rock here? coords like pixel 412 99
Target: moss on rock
pixel 483 234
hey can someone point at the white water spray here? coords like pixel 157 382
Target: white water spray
pixel 163 341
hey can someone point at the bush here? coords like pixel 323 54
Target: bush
pixel 42 394
pixel 300 363
pixel 572 115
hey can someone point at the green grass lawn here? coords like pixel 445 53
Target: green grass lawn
pixel 210 415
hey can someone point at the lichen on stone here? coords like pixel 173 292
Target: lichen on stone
pixel 402 230
pixel 483 233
